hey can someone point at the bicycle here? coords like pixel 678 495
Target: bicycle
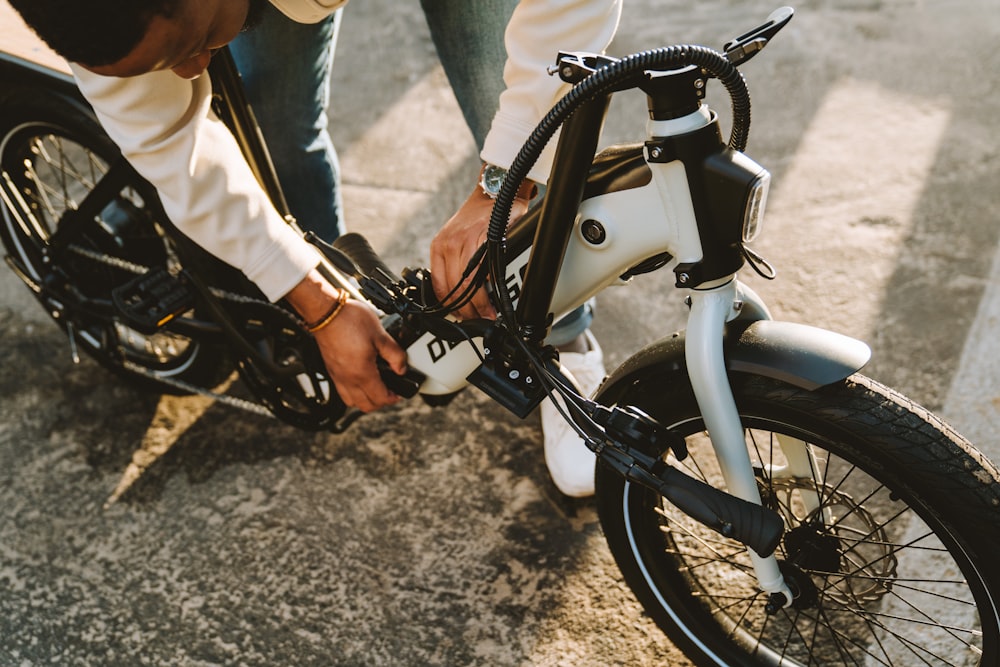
pixel 833 480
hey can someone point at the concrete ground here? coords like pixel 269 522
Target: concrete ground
pixel 137 529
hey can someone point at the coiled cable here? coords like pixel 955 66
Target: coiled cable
pixel 602 82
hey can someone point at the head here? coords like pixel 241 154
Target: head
pixel 132 37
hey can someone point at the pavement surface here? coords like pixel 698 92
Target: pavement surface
pixel 137 529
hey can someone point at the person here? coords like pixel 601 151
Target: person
pixel 144 80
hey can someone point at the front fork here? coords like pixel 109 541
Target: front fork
pixel 711 308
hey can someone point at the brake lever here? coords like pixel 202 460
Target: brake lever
pixel 749 44
pixel 575 66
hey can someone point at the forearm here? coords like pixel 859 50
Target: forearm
pixel 163 126
pixel 537 31
pixel 313 298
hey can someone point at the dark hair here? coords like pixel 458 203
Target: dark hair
pixel 92 32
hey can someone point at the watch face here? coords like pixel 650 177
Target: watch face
pixel 492 179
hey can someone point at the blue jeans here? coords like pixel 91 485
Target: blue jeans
pixel 286 71
pixel 468 37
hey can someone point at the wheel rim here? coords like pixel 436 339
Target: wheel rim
pixel 44 172
pixel 897 596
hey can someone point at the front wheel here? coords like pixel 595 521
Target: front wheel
pixel 892 533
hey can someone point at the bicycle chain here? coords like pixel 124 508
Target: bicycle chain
pixel 232 401
pixel 139 269
pixel 116 262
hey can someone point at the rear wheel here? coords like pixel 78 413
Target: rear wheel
pixel 892 525
pixel 53 154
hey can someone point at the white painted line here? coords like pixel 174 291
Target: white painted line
pixel 972 405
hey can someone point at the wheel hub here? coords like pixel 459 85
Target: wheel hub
pixel 818 542
pixel 808 548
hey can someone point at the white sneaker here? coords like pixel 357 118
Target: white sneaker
pixel 570 461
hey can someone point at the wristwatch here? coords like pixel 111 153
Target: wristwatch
pixel 491 180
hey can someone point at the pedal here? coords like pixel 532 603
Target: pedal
pixel 152 299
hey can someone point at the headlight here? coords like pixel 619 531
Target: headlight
pixel 753 214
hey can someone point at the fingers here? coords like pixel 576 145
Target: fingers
pixel 480 306
pixel 350 340
pixel 366 393
pixel 350 347
pixel 361 387
pixel 393 354
pixel 453 247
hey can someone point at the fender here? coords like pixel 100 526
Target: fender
pixel 801 355
pixel 17 71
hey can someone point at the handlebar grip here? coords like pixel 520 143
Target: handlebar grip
pixel 406 385
pixel 369 264
pixel 755 526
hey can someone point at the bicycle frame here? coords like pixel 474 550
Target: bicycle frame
pixel 585 240
pixel 740 470
pixel 668 226
pixel 567 262
pixel 589 231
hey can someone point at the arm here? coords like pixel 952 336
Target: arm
pixel 164 126
pixel 350 342
pixel 537 30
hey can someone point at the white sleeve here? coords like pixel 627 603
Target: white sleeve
pixel 308 11
pixel 164 126
pixel 537 31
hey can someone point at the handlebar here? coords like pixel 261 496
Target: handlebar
pixel 367 262
pixel 511 352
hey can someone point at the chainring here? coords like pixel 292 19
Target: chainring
pixel 286 372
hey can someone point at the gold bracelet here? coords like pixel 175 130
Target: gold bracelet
pixel 329 317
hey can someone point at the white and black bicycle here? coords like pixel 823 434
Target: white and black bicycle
pixel 766 503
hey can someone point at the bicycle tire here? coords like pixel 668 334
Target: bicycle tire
pixel 52 154
pixel 902 496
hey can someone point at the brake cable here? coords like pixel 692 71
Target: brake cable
pixel 602 81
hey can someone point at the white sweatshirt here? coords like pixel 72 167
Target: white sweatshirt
pixel 165 127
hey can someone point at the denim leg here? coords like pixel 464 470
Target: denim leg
pixel 572 324
pixel 286 71
pixel 468 37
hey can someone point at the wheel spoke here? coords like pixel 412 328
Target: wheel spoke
pixel 47 170
pixel 854 552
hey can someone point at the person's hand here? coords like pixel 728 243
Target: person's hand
pixel 350 344
pixel 457 241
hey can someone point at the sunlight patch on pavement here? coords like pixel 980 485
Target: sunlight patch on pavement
pixel 867 151
pixel 425 134
pixel 174 415
pixel 847 200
